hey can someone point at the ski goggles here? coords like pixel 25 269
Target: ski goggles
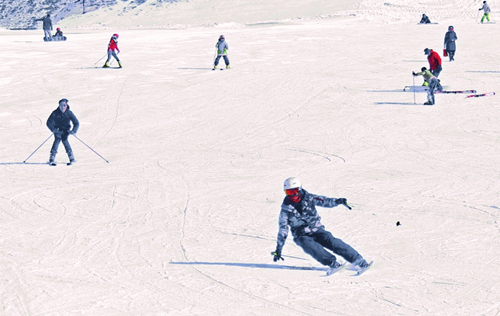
pixel 292 192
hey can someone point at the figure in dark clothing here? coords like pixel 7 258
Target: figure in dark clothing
pixel 449 43
pixel 47 27
pixel 58 32
pixel 59 123
pixel 425 19
pixel 298 213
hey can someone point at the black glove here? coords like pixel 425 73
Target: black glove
pixel 342 201
pixel 277 255
pixel 72 132
pixel 413 73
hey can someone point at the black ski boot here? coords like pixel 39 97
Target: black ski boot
pixel 71 158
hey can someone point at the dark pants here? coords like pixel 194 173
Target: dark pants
pixel 316 243
pixel 437 71
pixel 226 60
pixel 57 141
pixel 451 54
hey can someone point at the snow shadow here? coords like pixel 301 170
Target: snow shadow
pixel 484 71
pixel 252 265
pixel 22 163
pixel 196 68
pixel 399 103
pixel 383 91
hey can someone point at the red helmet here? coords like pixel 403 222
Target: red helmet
pixel 115 35
pixel 58 28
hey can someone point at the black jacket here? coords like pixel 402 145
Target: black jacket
pixel 62 121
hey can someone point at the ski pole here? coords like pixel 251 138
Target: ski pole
pixel 414 102
pixel 101 59
pixel 345 204
pixel 90 148
pixel 37 148
pixel 215 55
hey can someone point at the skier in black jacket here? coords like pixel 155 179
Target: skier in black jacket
pixel 59 123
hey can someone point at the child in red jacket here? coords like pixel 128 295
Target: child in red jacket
pixel 112 47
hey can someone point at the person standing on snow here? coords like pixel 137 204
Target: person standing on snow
pixel 47 27
pixel 222 48
pixel 112 47
pixel 434 61
pixel 298 212
pixel 434 85
pixel 426 74
pixel 59 123
pixel 487 11
pixel 449 42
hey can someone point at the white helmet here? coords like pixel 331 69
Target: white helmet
pixel 292 183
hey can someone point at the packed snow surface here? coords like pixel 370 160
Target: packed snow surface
pixel 183 218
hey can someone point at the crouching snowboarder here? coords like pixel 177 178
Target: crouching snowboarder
pixel 59 35
pixel 59 123
pixel 112 47
pixel 426 74
pixel 298 212
pixel 425 19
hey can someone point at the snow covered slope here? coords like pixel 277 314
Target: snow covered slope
pixel 183 218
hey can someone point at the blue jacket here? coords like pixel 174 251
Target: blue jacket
pixel 62 121
pixel 222 47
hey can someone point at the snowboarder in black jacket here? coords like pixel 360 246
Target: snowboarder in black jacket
pixel 425 19
pixel 59 123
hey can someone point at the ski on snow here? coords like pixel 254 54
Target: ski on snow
pixel 456 92
pixel 53 164
pixel 331 271
pixel 362 270
pixel 480 95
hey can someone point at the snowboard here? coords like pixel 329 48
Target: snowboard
pixel 55 39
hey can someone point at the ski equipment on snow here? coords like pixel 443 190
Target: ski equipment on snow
pixel 480 95
pixel 362 270
pixel 456 92
pixel 332 270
